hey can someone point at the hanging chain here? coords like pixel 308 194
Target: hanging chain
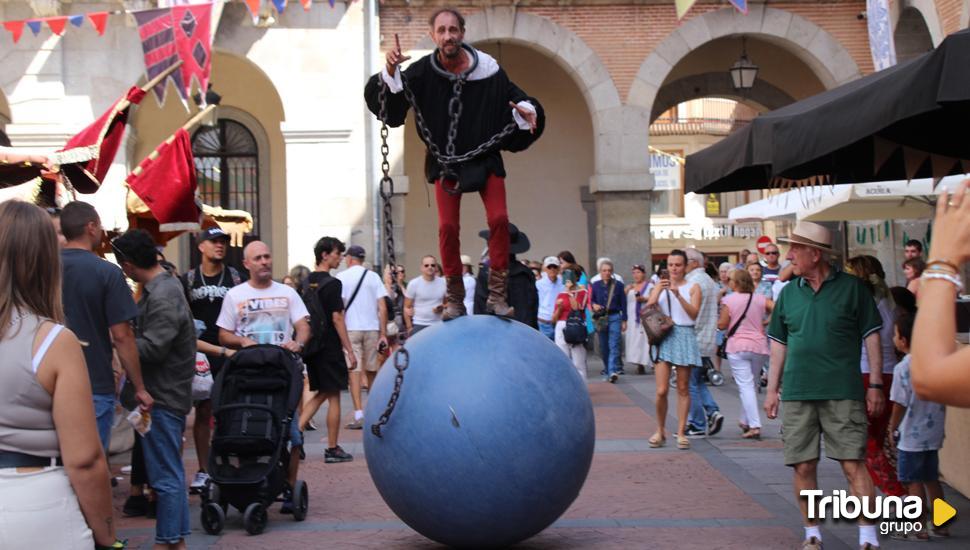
pixel 401 360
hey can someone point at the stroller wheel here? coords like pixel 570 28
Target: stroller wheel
pixel 254 518
pixel 301 500
pixel 210 493
pixel 213 518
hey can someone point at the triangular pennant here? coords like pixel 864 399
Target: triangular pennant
pixel 306 4
pixel 882 150
pixel 253 6
pixel 56 24
pixel 913 159
pixel 683 6
pixel 941 166
pixel 99 20
pixel 740 5
pixel 192 42
pixel 34 26
pixel 76 20
pixel 280 5
pixel 16 28
pixel 332 2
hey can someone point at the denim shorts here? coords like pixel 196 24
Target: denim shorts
pixel 913 466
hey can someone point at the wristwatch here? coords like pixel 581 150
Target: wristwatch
pixel 875 386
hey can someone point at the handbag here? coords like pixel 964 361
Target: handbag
pixel 656 323
pixel 602 319
pixel 722 349
pixel 202 381
pixel 574 333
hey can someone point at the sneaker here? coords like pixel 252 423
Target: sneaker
pixel 198 483
pixel 337 454
pixel 620 371
pixel 692 431
pixel 135 506
pixel 715 422
pixel 355 425
pixel 287 507
pixel 126 470
pixel 310 426
pixel 812 544
pixel 614 377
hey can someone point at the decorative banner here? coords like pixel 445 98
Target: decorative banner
pixel 16 28
pixel 880 34
pixel 192 42
pixel 740 5
pixel 155 27
pixel 57 24
pixel 165 182
pixel 683 6
pixel 280 5
pixel 76 20
pixel 253 6
pixel 308 3
pixel 34 26
pixel 99 20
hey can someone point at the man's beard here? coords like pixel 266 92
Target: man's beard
pixel 453 54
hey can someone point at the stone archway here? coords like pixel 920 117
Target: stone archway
pixel 931 19
pixel 764 95
pixel 822 53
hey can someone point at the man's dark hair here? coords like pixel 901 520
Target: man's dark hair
pixel 75 217
pixel 915 244
pixel 904 323
pixel 327 245
pixel 136 246
pixel 453 11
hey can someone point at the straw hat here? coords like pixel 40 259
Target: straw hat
pixel 810 234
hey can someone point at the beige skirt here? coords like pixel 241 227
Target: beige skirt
pixel 32 502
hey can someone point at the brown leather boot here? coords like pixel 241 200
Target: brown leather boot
pixel 454 298
pixel 498 291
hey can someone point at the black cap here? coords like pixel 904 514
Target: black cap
pixel 212 234
pixel 356 251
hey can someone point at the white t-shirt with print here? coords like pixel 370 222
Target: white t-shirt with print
pixel 427 295
pixel 363 313
pixel 470 284
pixel 265 315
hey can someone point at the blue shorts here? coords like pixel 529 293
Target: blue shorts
pixel 296 436
pixel 918 466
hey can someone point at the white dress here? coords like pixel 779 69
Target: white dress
pixel 637 348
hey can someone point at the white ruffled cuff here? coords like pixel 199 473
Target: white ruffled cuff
pixel 523 123
pixel 394 83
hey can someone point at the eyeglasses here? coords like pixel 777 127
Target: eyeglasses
pixel 775 253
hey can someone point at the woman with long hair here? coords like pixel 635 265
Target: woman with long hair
pixel 53 472
pixel 637 348
pixel 879 458
pixel 757 273
pixel 913 269
pixel 681 300
pixel 574 298
pixel 747 348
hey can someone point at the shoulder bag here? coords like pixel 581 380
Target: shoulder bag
pixel 602 319
pixel 574 333
pixel 656 323
pixel 722 349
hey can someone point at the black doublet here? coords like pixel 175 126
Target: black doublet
pixel 485 112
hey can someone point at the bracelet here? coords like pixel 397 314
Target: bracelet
pixel 875 386
pixel 944 262
pixel 222 351
pixel 955 280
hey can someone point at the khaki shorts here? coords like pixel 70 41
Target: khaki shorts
pixel 842 422
pixel 365 344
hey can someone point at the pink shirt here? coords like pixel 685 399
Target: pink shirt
pixel 750 336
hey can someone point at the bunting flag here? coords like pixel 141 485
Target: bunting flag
pixel 740 5
pixel 99 20
pixel 192 42
pixel 307 4
pixel 34 26
pixel 105 135
pixel 16 28
pixel 56 24
pixel 76 20
pixel 253 6
pixel 166 183
pixel 881 44
pixel 683 6
pixel 280 5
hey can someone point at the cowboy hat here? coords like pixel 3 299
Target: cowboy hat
pixel 810 234
pixel 518 241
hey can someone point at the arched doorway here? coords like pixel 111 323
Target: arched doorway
pixel 547 184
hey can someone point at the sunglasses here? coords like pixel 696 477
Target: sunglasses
pixel 426 265
pixel 771 253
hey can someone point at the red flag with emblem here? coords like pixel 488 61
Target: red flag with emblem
pixel 166 183
pixel 192 42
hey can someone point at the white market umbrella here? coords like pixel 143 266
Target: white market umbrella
pixel 891 200
pixel 782 206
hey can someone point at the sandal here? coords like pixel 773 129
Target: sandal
pixel 752 433
pixel 744 427
pixel 683 443
pixel 657 441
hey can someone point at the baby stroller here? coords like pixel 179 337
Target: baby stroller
pixel 253 402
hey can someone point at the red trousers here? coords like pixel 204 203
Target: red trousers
pixel 496 213
pixel 880 458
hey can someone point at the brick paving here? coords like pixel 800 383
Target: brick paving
pixel 724 493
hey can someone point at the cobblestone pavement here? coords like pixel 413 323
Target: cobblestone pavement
pixel 724 493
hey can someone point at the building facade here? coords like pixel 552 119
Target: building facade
pixel 295 144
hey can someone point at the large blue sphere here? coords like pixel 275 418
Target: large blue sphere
pixel 492 436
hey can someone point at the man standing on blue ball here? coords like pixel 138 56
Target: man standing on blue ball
pixel 467 110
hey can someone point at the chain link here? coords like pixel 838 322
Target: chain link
pixel 401 360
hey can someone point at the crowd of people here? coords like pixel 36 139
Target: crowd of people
pixel 843 361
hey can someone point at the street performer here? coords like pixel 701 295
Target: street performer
pixel 466 111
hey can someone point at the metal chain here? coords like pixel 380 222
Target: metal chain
pixel 401 361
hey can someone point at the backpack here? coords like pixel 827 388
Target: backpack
pixel 320 322
pixel 574 332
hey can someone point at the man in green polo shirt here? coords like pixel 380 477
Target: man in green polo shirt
pixel 816 329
